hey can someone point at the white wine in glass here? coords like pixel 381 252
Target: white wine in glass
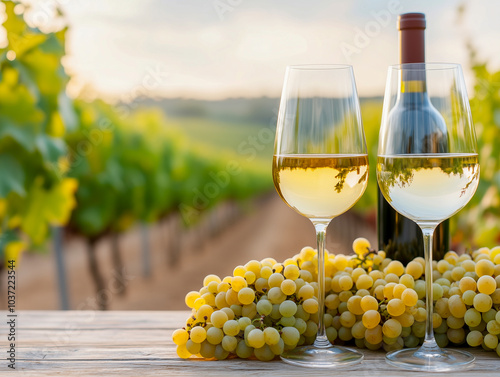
pixel 427 170
pixel 320 169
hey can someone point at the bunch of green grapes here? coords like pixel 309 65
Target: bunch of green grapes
pixel 371 301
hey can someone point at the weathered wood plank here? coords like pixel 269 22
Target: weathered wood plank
pixel 132 343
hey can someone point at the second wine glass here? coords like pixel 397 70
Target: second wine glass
pixel 320 169
pixel 428 170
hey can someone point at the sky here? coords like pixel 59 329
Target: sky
pixel 215 49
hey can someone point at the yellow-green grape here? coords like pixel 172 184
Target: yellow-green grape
pixel 229 343
pixel 288 308
pixel 191 297
pixel 468 297
pixel 456 336
pixel 275 280
pixel 474 338
pixel 204 312
pixel 250 277
pixel 395 307
pixel 378 292
pixel 374 335
pixel 369 303
pixel 457 306
pixel 371 318
pixel 231 328
pixel 357 272
pixel 300 325
pixel 290 336
pixel 238 283
pixel 207 350
pixel 212 287
pixel 486 284
pixel 220 353
pixel 340 262
pixel 276 296
pixel 389 290
pixel 306 292
pixel 347 319
pixel 264 307
pixel 495 296
pixel 243 350
pixel 415 269
pixel 409 297
pixel 437 291
pixel 482 302
pixel 306 276
pixel 218 318
pixel 345 283
pixel 395 267
pixel 467 284
pixel 443 266
pixel 180 337
pixel 288 287
pixel 497 317
pixel 278 267
pixel 182 351
pixel 458 273
pixel 406 319
pixel 246 295
pixel 420 315
pixel 261 285
pixel 345 334
pixel 332 301
pixel 490 341
pixel 361 246
pixel 243 322
pixel 209 278
pixel 489 315
pixel 255 338
pixel 264 353
pixel 364 282
pixel 278 348
pixel 222 287
pixel 454 322
pixel 442 308
pixel 198 334
pixel 229 312
pixel 312 328
pixel 484 267
pixel 420 288
pixel 358 330
pixel 292 272
pixel 214 335
pixel 407 280
pixel 493 327
pixel 192 347
pixel 331 334
pixel 344 296
pixel 310 306
pixel 472 317
pixel 354 305
pixel 436 320
pixel 208 299
pixel 362 292
pixel 253 266
pixel 271 336
pixel 249 310
pixel 265 272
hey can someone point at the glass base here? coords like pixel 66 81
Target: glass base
pixel 328 357
pixel 430 360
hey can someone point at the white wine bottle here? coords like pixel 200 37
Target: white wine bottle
pixel 424 131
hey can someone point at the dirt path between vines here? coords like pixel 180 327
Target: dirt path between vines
pixel 270 229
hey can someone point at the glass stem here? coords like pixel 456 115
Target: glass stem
pixel 429 341
pixel 321 338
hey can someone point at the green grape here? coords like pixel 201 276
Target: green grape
pixel 271 336
pixel 249 311
pixel 411 341
pixel 441 339
pixel 490 341
pixel 275 280
pixel 306 292
pixel 358 330
pixel 301 313
pixel 360 343
pixel 344 296
pixel 482 302
pixel 287 321
pixel 437 291
pixel 331 334
pixel 288 287
pixel 345 334
pixel 405 331
pixel 441 307
pixel 472 317
pixel 264 353
pixel 275 313
pixel 332 301
pixel 406 319
pixel 468 297
pixel 288 308
pixel 409 297
pixel 275 295
pixel 229 312
pixel 207 350
pixel 244 322
pixel 456 336
pixel 300 325
pixel 231 328
pixel 290 336
pixel 264 307
pixel 493 327
pixel 455 323
pixel 392 328
pixel 243 351
pixel 371 319
pixel 474 339
pixel 456 306
pixel 192 347
pixel 489 315
pixel 395 307
pixel 291 272
pixel 354 305
pixel 327 319
pixel 420 288
pixel 255 338
pixel 481 327
pixel 229 343
pixel 218 318
pixel 396 345
pixel 347 319
pixel 214 335
pixel 310 306
pixel 418 329
pixel 278 348
pixel 220 353
pixel 261 285
pixel 369 303
pixel 247 331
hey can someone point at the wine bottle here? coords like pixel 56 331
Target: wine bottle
pixel 425 132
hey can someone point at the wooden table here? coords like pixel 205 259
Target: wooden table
pixel 138 343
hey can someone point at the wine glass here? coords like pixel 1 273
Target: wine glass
pixel 427 169
pixel 320 169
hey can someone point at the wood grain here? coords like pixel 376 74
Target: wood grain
pixel 138 343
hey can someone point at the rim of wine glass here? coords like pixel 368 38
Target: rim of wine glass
pixel 425 66
pixel 319 66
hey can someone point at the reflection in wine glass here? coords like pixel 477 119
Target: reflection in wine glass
pixel 428 170
pixel 320 169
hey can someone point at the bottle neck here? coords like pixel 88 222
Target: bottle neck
pixel 413 92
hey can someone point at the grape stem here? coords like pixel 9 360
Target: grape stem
pixel 321 338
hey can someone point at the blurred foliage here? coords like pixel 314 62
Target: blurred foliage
pixel 34 116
